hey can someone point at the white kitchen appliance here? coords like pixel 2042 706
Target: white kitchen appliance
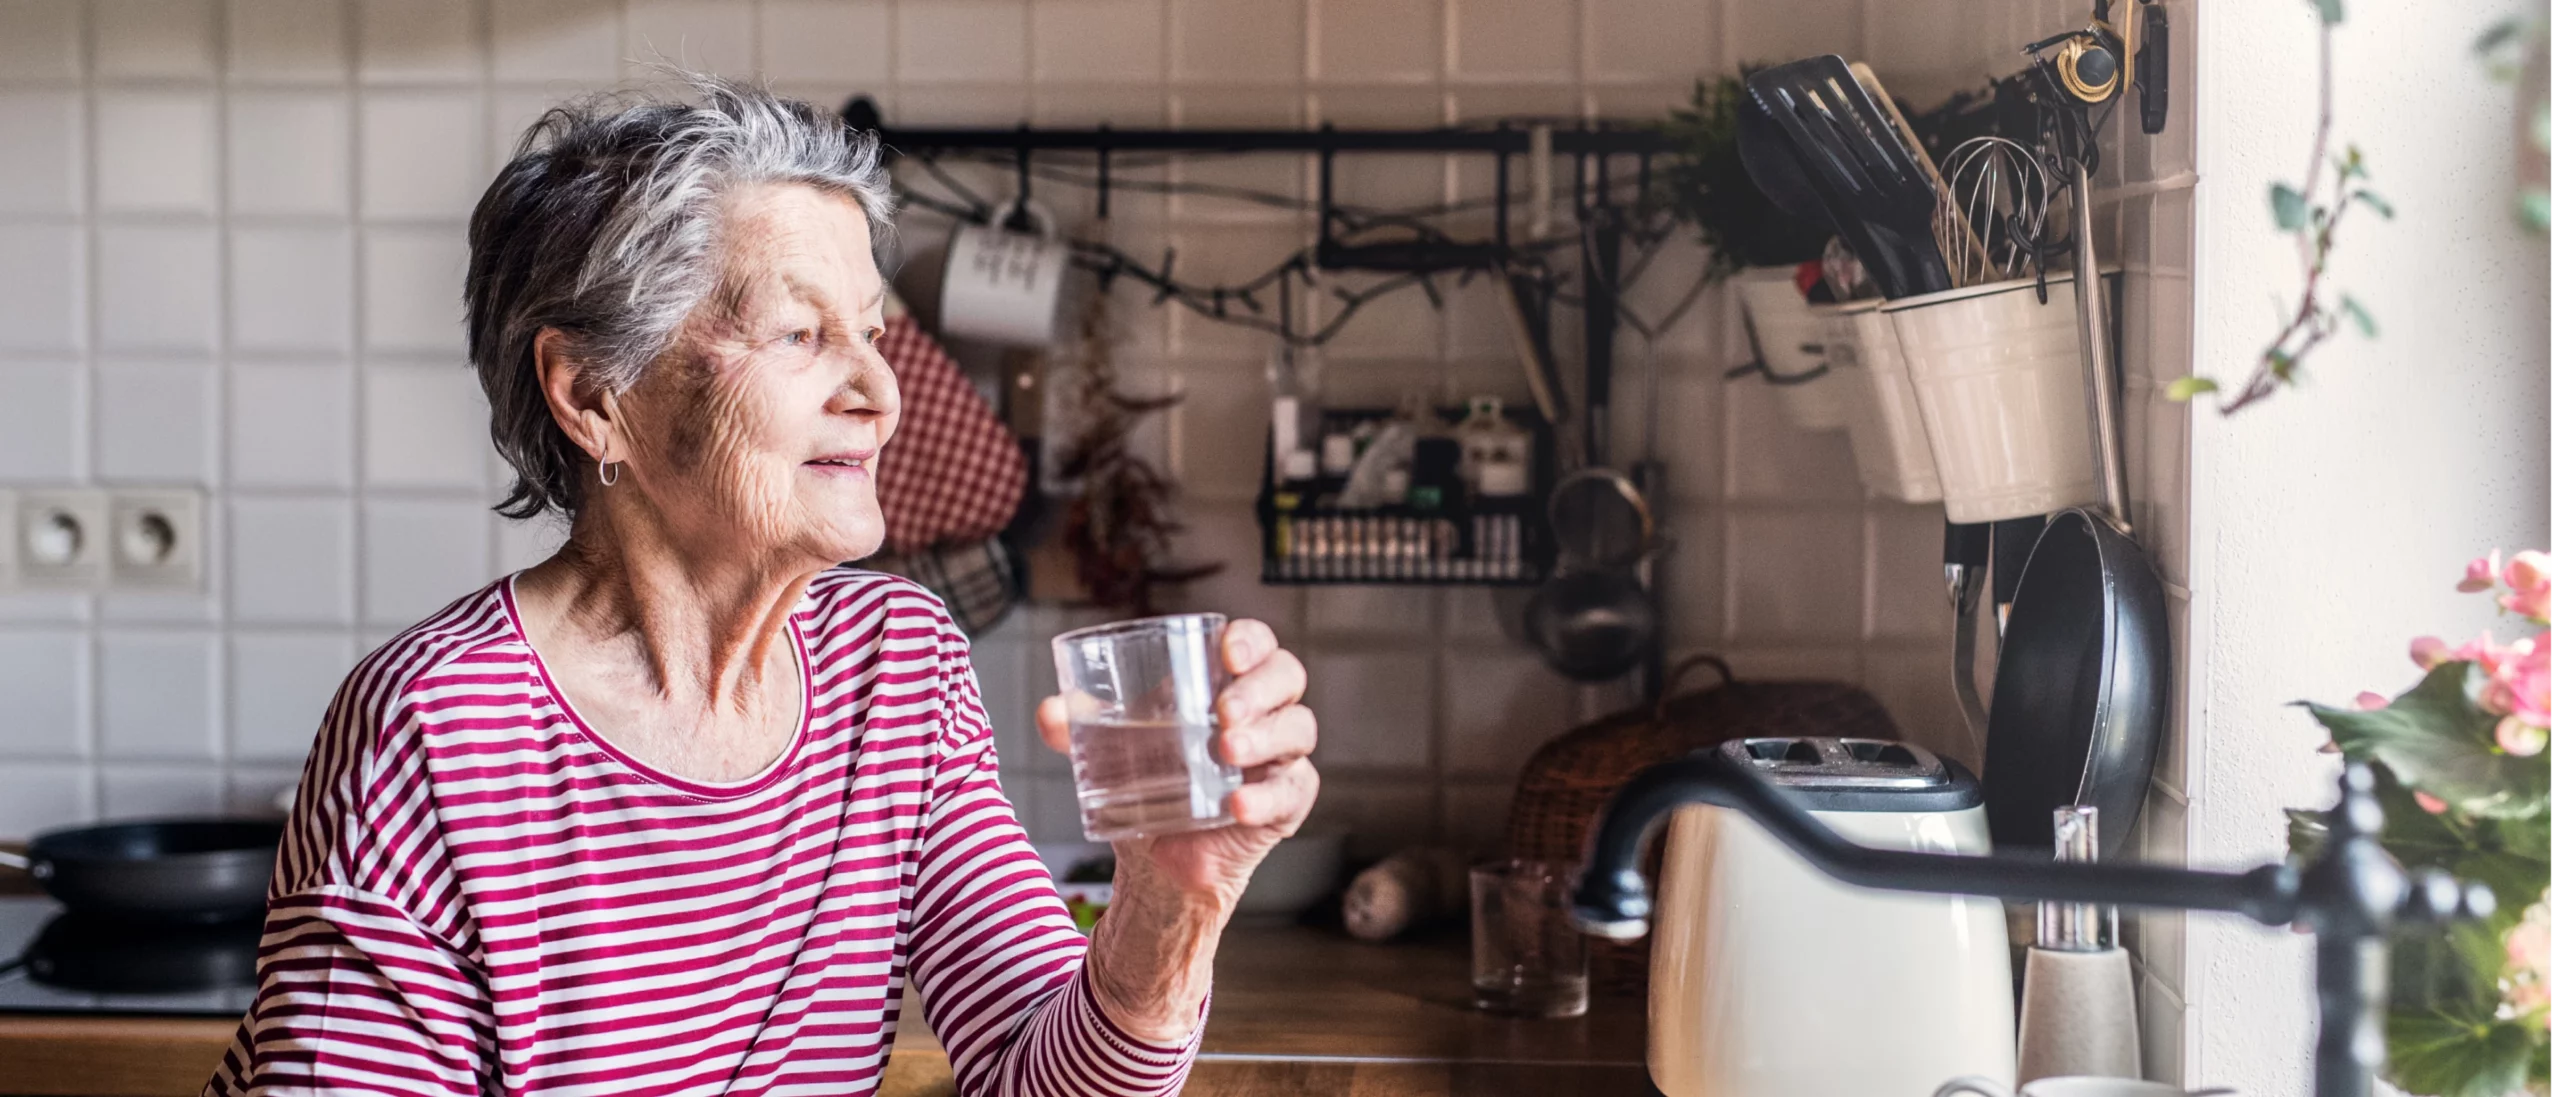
pixel 1771 979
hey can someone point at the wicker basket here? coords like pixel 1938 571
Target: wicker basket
pixel 1564 785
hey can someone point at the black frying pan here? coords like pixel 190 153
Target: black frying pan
pixel 2083 685
pixel 102 957
pixel 162 870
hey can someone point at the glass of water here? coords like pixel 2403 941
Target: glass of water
pixel 1142 725
pixel 1529 960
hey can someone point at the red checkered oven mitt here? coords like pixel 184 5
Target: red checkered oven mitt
pixel 952 472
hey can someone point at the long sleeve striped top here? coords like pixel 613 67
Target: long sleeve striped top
pixel 478 895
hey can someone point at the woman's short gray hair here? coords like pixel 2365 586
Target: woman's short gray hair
pixel 605 226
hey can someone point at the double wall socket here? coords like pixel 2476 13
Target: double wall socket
pixel 76 539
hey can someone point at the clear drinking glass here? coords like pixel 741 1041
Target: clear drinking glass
pixel 1142 725
pixel 1529 958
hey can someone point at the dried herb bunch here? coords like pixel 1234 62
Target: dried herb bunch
pixel 1120 526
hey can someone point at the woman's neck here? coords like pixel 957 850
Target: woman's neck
pixel 705 628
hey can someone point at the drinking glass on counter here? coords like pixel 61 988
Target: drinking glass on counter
pixel 1529 960
pixel 1142 725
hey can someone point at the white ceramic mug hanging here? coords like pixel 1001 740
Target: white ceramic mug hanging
pixel 1005 286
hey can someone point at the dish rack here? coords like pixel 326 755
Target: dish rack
pixel 1463 542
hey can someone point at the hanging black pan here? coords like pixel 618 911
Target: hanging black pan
pixel 2083 685
pixel 165 870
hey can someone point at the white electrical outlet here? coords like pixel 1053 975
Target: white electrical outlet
pixel 156 539
pixel 60 535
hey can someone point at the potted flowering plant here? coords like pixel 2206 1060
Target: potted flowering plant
pixel 2465 787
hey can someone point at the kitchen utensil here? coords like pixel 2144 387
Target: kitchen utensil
pixel 1955 235
pixel 1007 286
pixel 2076 1016
pixel 1756 948
pixel 1529 959
pixel 1592 624
pixel 1524 315
pixel 2073 1087
pixel 1593 619
pixel 2003 192
pixel 1564 784
pixel 102 956
pixel 2083 684
pixel 1302 869
pixel 1879 198
pixel 2003 396
pixel 161 871
pixel 1142 726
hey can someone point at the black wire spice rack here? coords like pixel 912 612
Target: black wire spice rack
pixel 1465 541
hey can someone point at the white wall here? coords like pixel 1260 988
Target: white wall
pixel 2331 522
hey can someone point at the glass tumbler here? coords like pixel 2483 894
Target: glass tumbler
pixel 1142 725
pixel 1529 960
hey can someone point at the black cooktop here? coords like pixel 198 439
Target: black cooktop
pixel 52 962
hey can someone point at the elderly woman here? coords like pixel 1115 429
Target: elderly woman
pixel 681 809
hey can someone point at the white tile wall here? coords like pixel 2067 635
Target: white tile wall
pixel 287 40
pixel 43 173
pixel 156 152
pixel 253 210
pixel 159 286
pixel 43 280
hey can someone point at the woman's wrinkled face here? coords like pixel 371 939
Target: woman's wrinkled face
pixel 759 434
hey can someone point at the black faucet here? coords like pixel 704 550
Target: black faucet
pixel 2349 897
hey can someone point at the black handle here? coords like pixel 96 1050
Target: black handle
pixel 1968 544
pixel 2012 539
pixel 2151 68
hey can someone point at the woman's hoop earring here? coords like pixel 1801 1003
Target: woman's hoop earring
pixel 604 470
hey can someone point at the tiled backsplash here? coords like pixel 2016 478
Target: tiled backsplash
pixel 230 251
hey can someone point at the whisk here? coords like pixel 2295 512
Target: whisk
pixel 1999 188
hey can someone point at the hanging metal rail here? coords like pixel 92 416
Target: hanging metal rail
pixel 1586 144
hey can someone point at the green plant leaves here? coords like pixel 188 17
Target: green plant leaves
pixel 2290 209
pixel 2188 388
pixel 2445 1055
pixel 2435 739
pixel 2355 312
pixel 2332 12
pixel 2374 200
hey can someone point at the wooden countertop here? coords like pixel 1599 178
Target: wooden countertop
pixel 1297 1011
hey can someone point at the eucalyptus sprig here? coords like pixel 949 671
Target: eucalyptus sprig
pixel 2312 213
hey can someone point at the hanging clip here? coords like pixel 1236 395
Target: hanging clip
pixel 1019 220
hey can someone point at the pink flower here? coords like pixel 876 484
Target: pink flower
pixel 2529 584
pixel 2369 701
pixel 2528 976
pixel 2429 804
pixel 2521 739
pixel 2480 575
pixel 2429 652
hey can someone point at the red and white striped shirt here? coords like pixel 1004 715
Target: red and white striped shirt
pixel 479 895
